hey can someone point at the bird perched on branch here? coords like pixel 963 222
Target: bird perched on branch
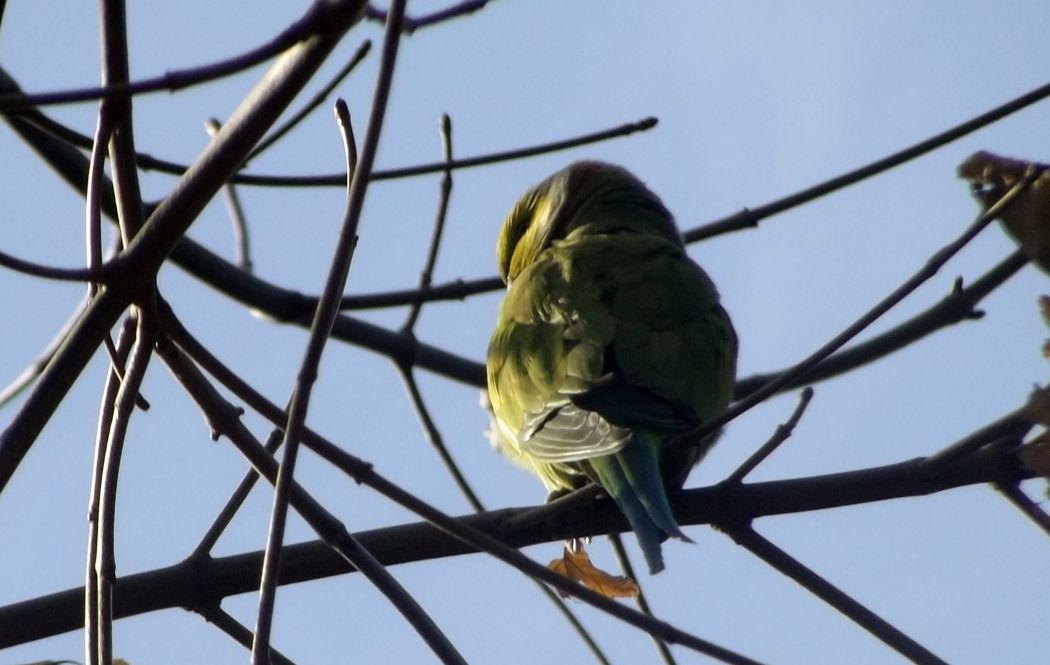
pixel 610 342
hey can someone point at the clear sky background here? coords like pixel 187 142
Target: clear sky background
pixel 755 101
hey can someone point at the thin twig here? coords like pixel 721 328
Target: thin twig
pixel 117 133
pixel 148 162
pixel 624 562
pixel 1012 426
pixel 327 310
pixel 224 418
pixel 457 290
pixel 309 24
pixel 928 270
pixel 346 129
pixel 1031 509
pixel 234 503
pixel 116 128
pixel 787 565
pixel 241 237
pixel 238 631
pixel 105 562
pixel 412 24
pixel 338 179
pixel 750 217
pixel 315 101
pixel 92 275
pixel 427 274
pixel 408 328
pixel 105 423
pixel 93 196
pixel 437 442
pixel 118 120
pixel 781 435
pixel 29 374
pixel 580 629
pixel 959 305
pixel 580 499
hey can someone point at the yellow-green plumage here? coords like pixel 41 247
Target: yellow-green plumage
pixel 610 341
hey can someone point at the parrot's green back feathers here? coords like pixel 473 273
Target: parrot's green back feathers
pixel 610 341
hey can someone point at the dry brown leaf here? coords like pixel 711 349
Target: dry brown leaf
pixel 1037 408
pixel 1027 218
pixel 577 567
pixel 1044 307
pixel 1036 456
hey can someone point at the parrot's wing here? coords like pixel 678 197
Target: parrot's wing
pixel 567 433
pixel 621 402
pixel 602 336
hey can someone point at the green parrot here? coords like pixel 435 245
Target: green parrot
pixel 609 342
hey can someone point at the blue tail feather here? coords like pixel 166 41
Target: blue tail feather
pixel 632 478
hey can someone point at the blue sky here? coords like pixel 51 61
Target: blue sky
pixel 755 101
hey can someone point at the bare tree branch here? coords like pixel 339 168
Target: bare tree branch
pixel 745 536
pixel 188 583
pixel 748 218
pixel 163 230
pixel 318 20
pixel 928 270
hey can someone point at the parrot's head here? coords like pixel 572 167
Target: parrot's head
pixel 583 198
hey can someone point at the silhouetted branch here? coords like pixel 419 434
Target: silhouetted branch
pixel 317 20
pixel 412 24
pixel 106 500
pixel 957 306
pixel 456 290
pixel 800 370
pixel 241 236
pixel 750 217
pixel 333 180
pixel 224 420
pixel 1015 495
pixel 165 228
pixel 234 503
pixel 57 131
pixel 92 607
pixel 624 562
pixel 98 274
pixel 427 273
pixel 782 433
pixel 30 373
pixel 188 583
pixel 319 97
pixel 787 565
pixel 214 615
pixel 358 167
